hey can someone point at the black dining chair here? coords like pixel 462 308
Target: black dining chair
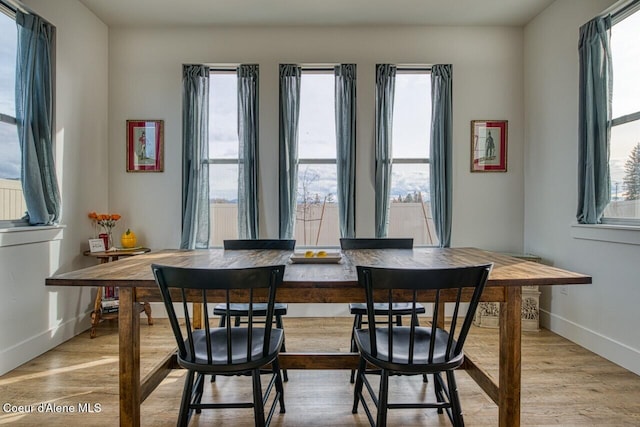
pixel 240 311
pixel 359 309
pixel 413 349
pixel 227 350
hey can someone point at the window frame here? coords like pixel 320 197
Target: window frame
pixel 311 160
pixel 213 160
pixel 14 223
pixel 229 70
pixel 412 160
pixel 327 70
pixel 412 69
pixel 617 17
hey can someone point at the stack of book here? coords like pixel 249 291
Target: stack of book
pixel 110 306
pixel 110 292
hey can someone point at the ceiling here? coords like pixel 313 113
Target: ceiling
pixel 160 13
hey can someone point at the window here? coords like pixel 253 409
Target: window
pixel 410 212
pixel 317 220
pixel 223 154
pixel 12 204
pixel 624 160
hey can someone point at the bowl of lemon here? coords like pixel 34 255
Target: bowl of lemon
pixel 316 257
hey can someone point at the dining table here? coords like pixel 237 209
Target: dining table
pixel 319 282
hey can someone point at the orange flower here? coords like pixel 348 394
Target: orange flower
pixel 115 217
pixel 93 215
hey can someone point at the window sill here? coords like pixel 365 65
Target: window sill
pixel 626 234
pixel 26 235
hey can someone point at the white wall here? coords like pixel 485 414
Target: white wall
pixel 602 317
pixel 145 68
pixel 34 318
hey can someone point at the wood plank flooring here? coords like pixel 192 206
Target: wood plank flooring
pixel 562 384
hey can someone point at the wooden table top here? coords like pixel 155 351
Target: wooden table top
pixel 136 271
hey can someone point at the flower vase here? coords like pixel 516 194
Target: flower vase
pixel 105 239
pixel 110 240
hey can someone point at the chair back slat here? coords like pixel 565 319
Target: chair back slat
pixel 371 315
pixel 240 244
pixel 249 325
pixel 206 325
pixel 230 285
pixel 473 305
pixel 228 327
pixel 390 324
pixel 188 328
pixel 454 320
pixel 376 243
pixel 275 280
pixel 412 331
pixel 448 284
pixel 434 325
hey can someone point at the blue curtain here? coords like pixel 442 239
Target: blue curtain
pixel 290 77
pixel 440 183
pixel 594 120
pixel 34 116
pixel 345 94
pixel 385 91
pixel 248 157
pixel 195 153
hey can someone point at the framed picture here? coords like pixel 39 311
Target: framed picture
pixel 145 145
pixel 488 146
pixel 96 245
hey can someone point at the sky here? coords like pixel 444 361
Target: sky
pixel 625 51
pixel 316 133
pixel 9 147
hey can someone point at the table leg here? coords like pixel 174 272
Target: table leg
pixel 510 356
pixel 95 315
pixel 129 352
pixel 147 311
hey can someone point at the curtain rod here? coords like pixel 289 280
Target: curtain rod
pixel 621 10
pixel 15 5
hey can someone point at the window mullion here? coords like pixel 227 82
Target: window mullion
pixel 625 119
pixel 4 118
pixel 407 161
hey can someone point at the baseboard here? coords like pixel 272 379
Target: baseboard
pixel 36 345
pixel 612 350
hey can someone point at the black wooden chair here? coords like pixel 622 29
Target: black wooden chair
pixel 414 349
pixel 359 309
pixel 228 350
pixel 240 311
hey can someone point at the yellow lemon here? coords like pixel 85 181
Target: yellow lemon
pixel 322 254
pixel 308 254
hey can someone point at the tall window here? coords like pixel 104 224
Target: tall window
pixel 410 212
pixel 624 160
pixel 317 211
pixel 12 204
pixel 223 154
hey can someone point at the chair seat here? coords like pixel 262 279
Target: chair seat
pixel 259 309
pixel 382 309
pixel 218 348
pixel 399 362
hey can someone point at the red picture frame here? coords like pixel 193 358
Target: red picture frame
pixel 145 145
pixel 489 145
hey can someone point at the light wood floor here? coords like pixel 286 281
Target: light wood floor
pixel 563 384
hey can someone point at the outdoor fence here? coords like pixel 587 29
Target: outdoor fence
pixel 12 204
pixel 317 224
